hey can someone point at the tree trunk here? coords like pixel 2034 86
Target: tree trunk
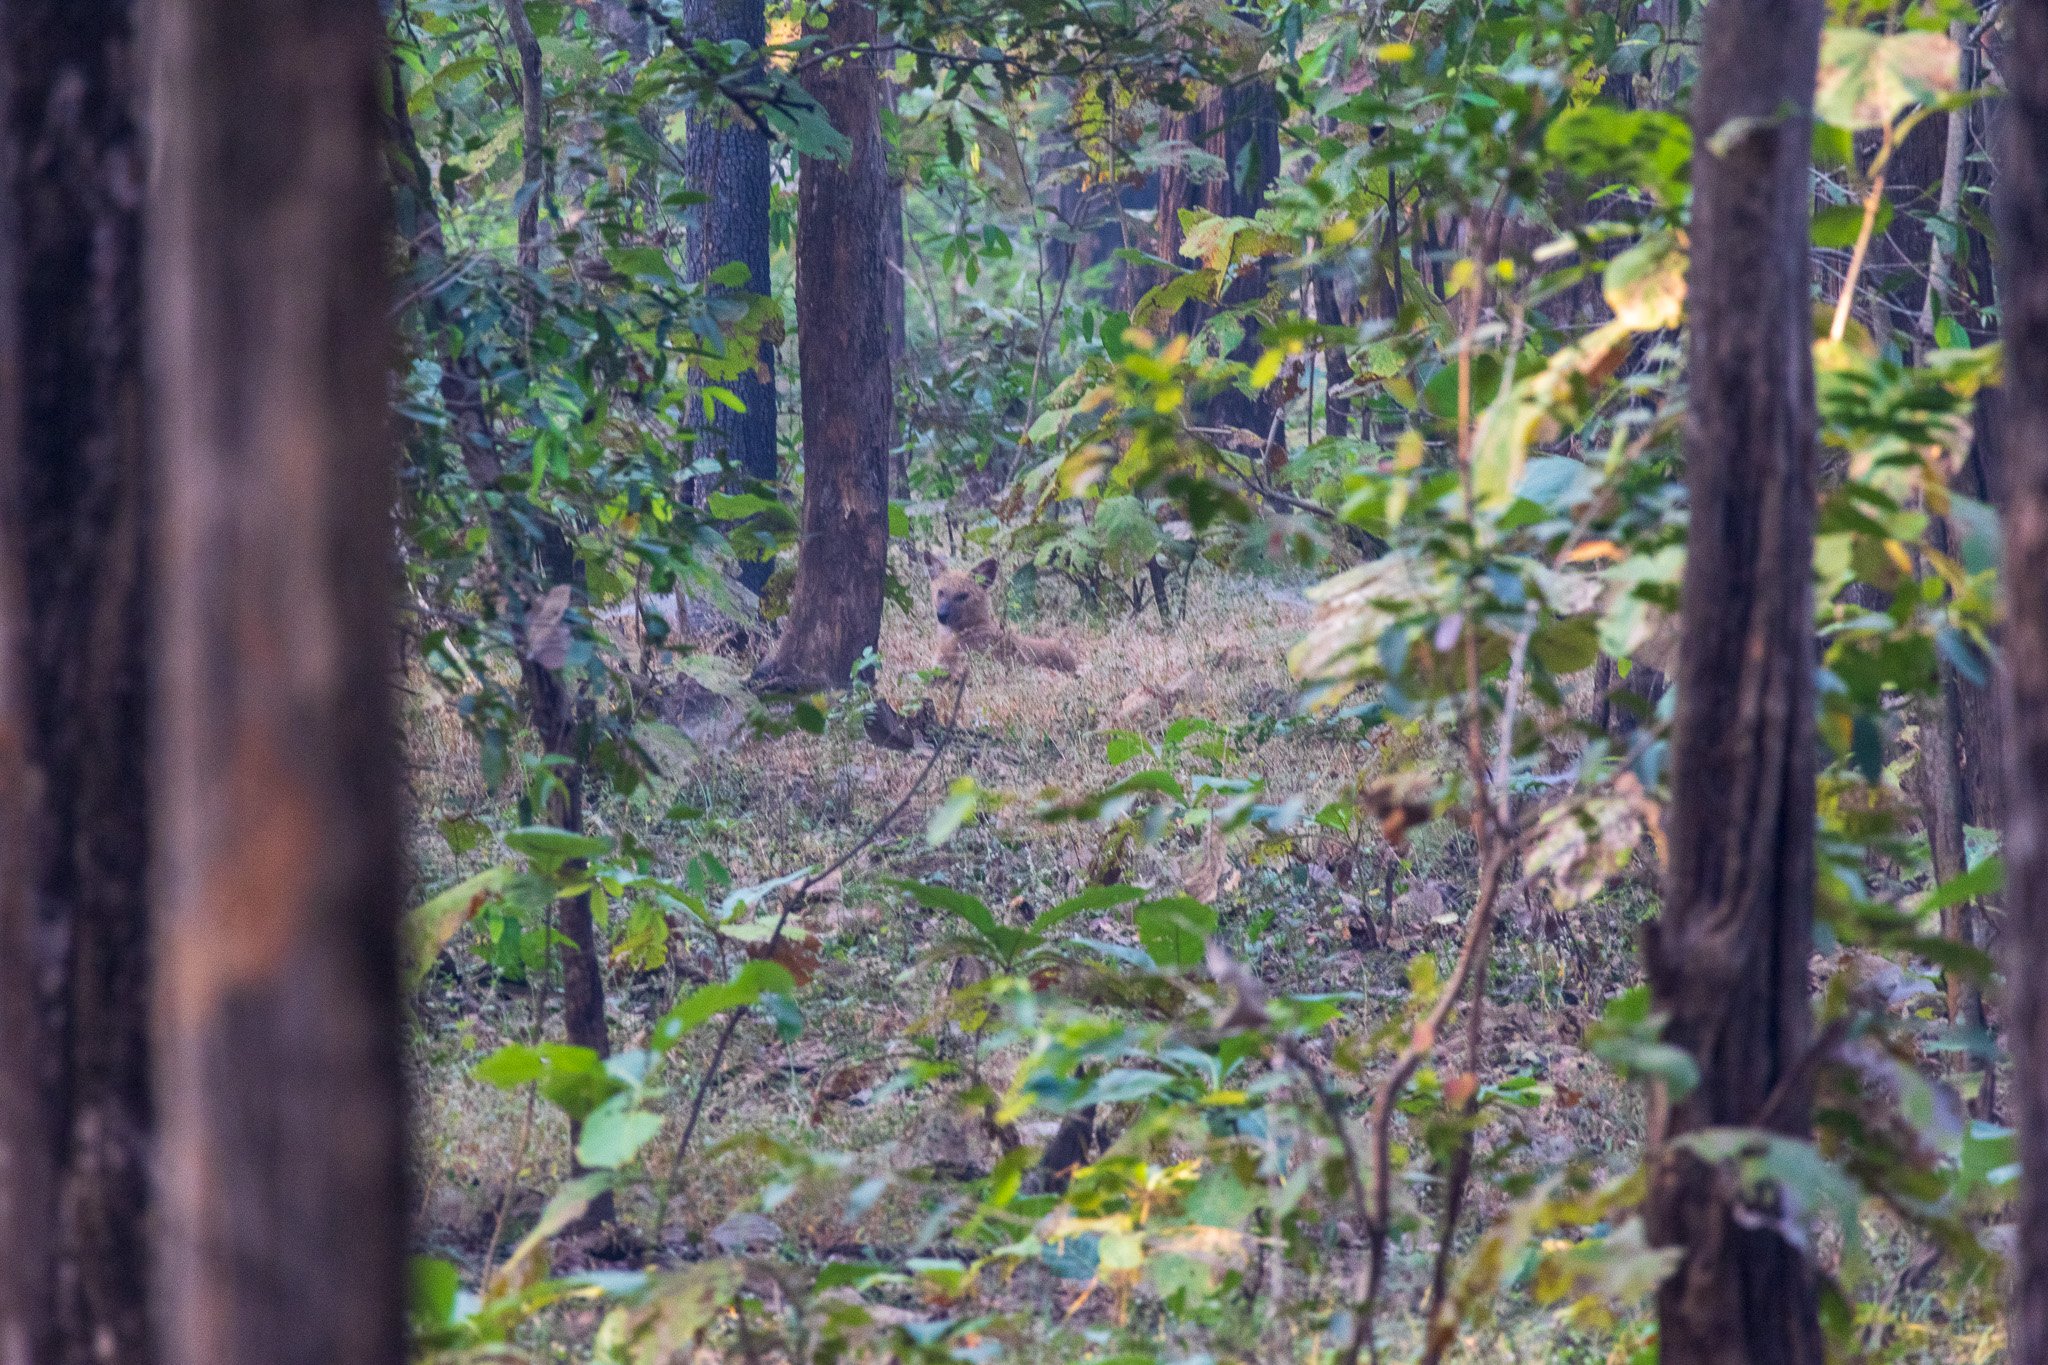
pixel 1239 126
pixel 75 1112
pixel 282 1231
pixel 1728 958
pixel 551 704
pixel 835 614
pixel 1336 362
pixel 1242 126
pixel 2022 207
pixel 725 159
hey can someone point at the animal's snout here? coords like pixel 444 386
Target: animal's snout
pixel 945 613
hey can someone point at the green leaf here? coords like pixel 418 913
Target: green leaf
pixel 1150 780
pixel 1838 225
pixel 1164 300
pixel 1175 930
pixel 428 927
pixel 961 800
pixel 562 1211
pixel 735 506
pixel 731 275
pixel 511 1066
pixel 1123 746
pixel 757 977
pixel 435 1285
pixel 1093 898
pixel 1566 646
pixel 644 263
pixel 1987 878
pixel 1646 147
pixel 548 848
pixel 614 1134
pixel 1001 940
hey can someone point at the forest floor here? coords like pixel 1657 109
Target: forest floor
pixel 1320 914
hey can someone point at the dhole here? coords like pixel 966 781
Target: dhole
pixel 968 623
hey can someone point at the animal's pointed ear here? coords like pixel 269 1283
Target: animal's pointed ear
pixel 986 572
pixel 933 564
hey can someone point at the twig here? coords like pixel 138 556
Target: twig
pixel 519 1148
pixel 1379 1217
pixel 790 901
pixel 1894 134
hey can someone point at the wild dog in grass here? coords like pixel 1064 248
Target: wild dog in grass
pixel 968 624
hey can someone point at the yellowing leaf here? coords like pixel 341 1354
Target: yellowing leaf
pixel 1594 549
pixel 1868 79
pixel 1645 285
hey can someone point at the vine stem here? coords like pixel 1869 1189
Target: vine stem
pixel 791 900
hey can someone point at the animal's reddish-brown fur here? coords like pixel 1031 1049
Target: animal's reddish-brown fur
pixel 968 625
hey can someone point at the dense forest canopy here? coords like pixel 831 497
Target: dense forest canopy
pixel 1041 680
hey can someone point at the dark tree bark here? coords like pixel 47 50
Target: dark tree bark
pixel 75 1113
pixel 835 612
pixel 533 132
pixel 1239 126
pixel 1728 958
pixel 1336 362
pixel 2022 206
pixel 560 717
pixel 725 159
pixel 282 1231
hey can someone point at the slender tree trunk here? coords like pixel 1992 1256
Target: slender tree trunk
pixel 75 1112
pixel 725 159
pixel 533 136
pixel 282 1229
pixel 1240 127
pixel 1243 128
pixel 1337 362
pixel 848 393
pixel 559 715
pixel 1728 958
pixel 2022 206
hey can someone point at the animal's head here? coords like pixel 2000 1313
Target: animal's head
pixel 960 596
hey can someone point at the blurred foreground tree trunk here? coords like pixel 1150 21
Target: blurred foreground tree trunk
pixel 1728 957
pixel 282 1230
pixel 725 159
pixel 2022 201
pixel 835 612
pixel 75 1112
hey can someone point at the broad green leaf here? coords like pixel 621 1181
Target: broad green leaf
pixel 1164 300
pixel 614 1134
pixel 511 1066
pixel 961 800
pixel 1175 930
pixel 1838 225
pixel 565 1208
pixel 734 506
pixel 435 1285
pixel 731 275
pixel 1987 878
pixel 428 927
pixel 548 849
pixel 1094 898
pixel 757 977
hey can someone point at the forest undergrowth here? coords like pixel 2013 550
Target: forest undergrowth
pixel 1326 912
